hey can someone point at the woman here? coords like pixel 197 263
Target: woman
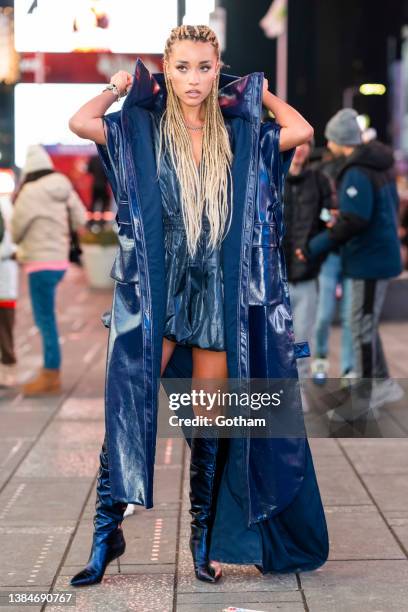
pixel 8 298
pixel 185 157
pixel 40 226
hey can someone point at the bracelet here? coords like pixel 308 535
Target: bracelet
pixel 113 88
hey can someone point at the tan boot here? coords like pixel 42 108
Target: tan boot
pixel 7 375
pixel 48 382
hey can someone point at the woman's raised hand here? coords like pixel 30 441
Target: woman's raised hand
pixel 295 130
pixel 123 81
pixel 87 121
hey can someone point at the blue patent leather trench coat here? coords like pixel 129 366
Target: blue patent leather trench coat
pixel 269 510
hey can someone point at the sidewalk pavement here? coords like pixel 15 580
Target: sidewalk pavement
pixel 49 453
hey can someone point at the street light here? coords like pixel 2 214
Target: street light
pixel 372 89
pixel 366 89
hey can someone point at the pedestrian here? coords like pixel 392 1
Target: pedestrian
pixel 333 289
pixel 40 226
pixel 195 295
pixel 308 195
pixel 1 227
pixel 100 188
pixel 367 230
pixel 8 297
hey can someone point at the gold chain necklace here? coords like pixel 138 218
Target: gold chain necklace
pixel 194 129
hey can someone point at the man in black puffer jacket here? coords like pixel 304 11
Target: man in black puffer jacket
pixel 307 193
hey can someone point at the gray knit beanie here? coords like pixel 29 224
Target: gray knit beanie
pixel 343 128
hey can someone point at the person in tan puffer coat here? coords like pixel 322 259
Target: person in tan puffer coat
pixel 44 208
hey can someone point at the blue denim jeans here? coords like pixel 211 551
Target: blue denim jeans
pixel 330 276
pixel 303 300
pixel 42 287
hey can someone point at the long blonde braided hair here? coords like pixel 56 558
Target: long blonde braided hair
pixel 206 188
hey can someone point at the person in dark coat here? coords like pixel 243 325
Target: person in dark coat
pixel 201 294
pixel 330 281
pixel 100 189
pixel 367 231
pixel 308 195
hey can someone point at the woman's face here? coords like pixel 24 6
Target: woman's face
pixel 192 68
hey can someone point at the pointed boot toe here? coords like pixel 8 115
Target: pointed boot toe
pixel 205 573
pixel 85 577
pixel 104 550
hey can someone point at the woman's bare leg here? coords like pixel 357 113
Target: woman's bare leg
pixel 167 351
pixel 208 368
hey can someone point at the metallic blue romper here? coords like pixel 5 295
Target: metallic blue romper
pixel 194 286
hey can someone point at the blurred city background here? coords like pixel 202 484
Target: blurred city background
pixel 320 56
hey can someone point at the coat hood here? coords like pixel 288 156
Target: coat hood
pixel 57 186
pixel 149 91
pixel 374 155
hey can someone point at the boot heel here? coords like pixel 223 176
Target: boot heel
pixel 116 553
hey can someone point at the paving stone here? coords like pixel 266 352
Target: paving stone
pixel 357 586
pixel 70 435
pixel 139 593
pixel 12 450
pixel 378 456
pixel 401 532
pixel 31 555
pixel 340 486
pixel 82 409
pixel 46 462
pixel 321 461
pixel 390 493
pixel 359 532
pixel 256 606
pixel 287 597
pixel 324 447
pixel 14 424
pixel 170 451
pixel 236 579
pixel 167 486
pixel 34 502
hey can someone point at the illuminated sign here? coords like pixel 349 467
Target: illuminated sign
pixel 119 26
pixel 52 105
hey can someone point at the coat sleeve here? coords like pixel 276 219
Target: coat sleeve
pixel 356 204
pixel 326 191
pixel 112 155
pixel 280 161
pixel 266 259
pixel 77 210
pixel 23 215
